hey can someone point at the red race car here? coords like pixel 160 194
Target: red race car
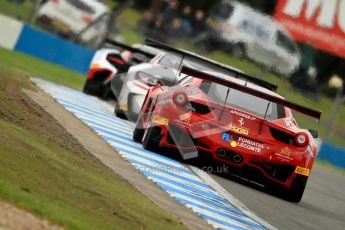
pixel 235 121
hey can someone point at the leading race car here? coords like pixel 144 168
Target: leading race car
pixel 111 62
pixel 137 81
pixel 236 122
pixel 164 68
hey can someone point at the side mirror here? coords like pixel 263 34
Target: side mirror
pixel 314 133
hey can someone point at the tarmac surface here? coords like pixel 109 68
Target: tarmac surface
pixel 322 206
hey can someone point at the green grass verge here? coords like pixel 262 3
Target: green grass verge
pixel 25 65
pixel 46 172
pixel 71 190
pixel 19 11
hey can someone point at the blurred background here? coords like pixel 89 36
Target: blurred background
pixel 298 45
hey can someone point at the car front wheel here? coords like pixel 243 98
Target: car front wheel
pixel 120 113
pixel 138 132
pixel 152 138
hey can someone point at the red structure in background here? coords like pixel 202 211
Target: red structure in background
pixel 320 23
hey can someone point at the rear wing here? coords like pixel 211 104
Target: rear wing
pixel 234 72
pixel 205 76
pixel 129 48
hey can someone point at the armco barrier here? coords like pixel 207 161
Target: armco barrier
pixel 332 154
pixel 53 49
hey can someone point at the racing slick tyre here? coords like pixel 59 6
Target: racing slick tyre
pixel 107 94
pixel 120 113
pixel 138 132
pixel 93 88
pixel 295 193
pixel 152 138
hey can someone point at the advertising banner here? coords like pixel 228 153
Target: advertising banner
pixel 320 23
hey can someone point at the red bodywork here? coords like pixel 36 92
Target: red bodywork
pixel 228 134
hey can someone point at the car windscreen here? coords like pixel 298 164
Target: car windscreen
pixel 246 102
pixel 171 60
pixel 167 79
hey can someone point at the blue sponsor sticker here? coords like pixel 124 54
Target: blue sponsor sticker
pixel 226 137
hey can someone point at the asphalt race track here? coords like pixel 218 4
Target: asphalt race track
pixel 322 206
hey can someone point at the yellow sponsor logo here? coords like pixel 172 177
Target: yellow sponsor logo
pixel 233 144
pixel 160 120
pixel 285 151
pixel 123 107
pixel 239 130
pixel 302 171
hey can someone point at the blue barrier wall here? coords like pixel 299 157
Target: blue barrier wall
pixel 53 49
pixel 332 154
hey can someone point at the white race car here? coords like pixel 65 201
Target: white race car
pixel 139 78
pixel 108 63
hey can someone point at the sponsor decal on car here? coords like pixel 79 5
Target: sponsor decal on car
pixel 302 171
pixel 184 118
pixel 284 154
pixel 246 116
pixel 226 137
pixel 123 107
pixel 249 144
pixel 241 121
pixel 233 144
pixel 239 130
pixel 165 101
pixel 160 120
